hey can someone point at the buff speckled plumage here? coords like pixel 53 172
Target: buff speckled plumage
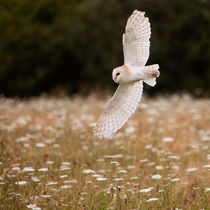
pixel 130 76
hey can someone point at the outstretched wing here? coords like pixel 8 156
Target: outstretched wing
pixel 121 106
pixel 136 39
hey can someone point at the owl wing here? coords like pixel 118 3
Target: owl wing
pixel 120 107
pixel 136 39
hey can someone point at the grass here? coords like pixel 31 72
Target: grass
pixel 50 160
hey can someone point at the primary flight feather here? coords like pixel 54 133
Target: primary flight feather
pixel 129 76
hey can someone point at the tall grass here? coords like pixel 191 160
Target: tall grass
pixel 50 160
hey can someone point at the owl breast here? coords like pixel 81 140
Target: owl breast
pixel 127 74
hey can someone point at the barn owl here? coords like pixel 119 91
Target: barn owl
pixel 129 76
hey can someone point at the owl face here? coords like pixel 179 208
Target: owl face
pixel 117 75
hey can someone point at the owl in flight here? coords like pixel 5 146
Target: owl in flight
pixel 129 76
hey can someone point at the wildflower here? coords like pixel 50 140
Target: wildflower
pixel 63 176
pixel 191 169
pixel 43 169
pixel 88 182
pixel 33 207
pixel 206 166
pixel 49 141
pixel 66 186
pixel 50 162
pixel 96 175
pixel 22 139
pixel 40 144
pixel 35 179
pixel 15 169
pixel 100 179
pixel 205 138
pixel 28 169
pixel 124 196
pixel 66 163
pixel 152 199
pixel 149 146
pixel 168 139
pixel 146 190
pixel 122 171
pixel 118 179
pixel 193 195
pixel 157 176
pixel 102 171
pixel 100 160
pixel 88 171
pixel 131 167
pixel 64 168
pixel 159 167
pixel 175 167
pixel 115 162
pixel 52 183
pixel 151 164
pixel 144 160
pixel 185 183
pixel 67 181
pixel 26 145
pixel 175 180
pixel 54 190
pixel 46 196
pixel 56 145
pixel 21 183
pixel 114 156
pixel 74 181
pixel 173 157
pixel 134 178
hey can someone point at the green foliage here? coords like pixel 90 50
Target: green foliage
pixel 46 44
pixel 102 200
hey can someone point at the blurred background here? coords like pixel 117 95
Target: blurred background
pixel 71 46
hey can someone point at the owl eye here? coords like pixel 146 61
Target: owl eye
pixel 117 74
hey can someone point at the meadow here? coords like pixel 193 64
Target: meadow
pixel 49 158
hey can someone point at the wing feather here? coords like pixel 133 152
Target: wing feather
pixel 121 106
pixel 151 82
pixel 136 42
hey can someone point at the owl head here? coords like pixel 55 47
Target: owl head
pixel 118 75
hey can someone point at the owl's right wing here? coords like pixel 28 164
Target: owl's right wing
pixel 120 107
pixel 136 42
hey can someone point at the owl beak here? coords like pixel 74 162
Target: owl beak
pixel 115 78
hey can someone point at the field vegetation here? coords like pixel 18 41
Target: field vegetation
pixel 49 158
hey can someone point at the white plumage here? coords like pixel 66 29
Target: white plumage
pixel 136 39
pixel 130 76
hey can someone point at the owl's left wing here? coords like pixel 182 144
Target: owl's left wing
pixel 121 106
pixel 136 42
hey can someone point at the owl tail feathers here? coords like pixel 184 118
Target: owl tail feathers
pixel 151 82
